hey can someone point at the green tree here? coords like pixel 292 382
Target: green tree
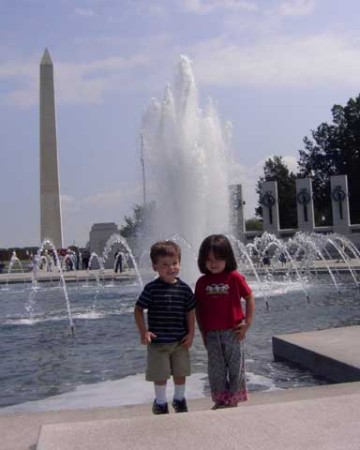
pixel 254 224
pixel 334 150
pixel 276 170
pixel 139 221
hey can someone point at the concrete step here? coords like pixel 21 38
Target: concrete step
pixel 20 431
pixel 318 423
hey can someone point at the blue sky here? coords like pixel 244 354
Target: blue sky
pixel 274 68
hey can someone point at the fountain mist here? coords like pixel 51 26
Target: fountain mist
pixel 186 158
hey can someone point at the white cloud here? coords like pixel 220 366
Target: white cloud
pixel 291 163
pixel 14 69
pixel 208 6
pixel 90 82
pixel 105 199
pixel 75 82
pixel 267 60
pixel 69 203
pixel 22 98
pixel 155 10
pixel 126 196
pixel 280 61
pixel 84 12
pixel 23 90
pixel 296 7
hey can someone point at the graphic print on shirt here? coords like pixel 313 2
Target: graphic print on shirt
pixel 216 289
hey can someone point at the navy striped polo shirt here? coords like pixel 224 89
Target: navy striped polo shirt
pixel 167 305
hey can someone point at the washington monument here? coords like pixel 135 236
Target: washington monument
pixel 50 210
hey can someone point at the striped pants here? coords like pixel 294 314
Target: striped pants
pixel 226 367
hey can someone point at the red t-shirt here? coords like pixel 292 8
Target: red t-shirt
pixel 218 300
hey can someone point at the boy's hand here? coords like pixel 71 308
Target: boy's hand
pixel 147 337
pixel 187 340
pixel 241 329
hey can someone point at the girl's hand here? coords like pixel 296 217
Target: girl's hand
pixel 147 337
pixel 187 341
pixel 241 329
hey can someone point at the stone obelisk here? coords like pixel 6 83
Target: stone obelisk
pixel 50 210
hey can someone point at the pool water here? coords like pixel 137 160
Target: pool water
pixel 40 358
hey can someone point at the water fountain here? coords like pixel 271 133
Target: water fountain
pixel 14 261
pixel 116 239
pixel 186 157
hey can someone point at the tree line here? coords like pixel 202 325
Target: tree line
pixel 332 149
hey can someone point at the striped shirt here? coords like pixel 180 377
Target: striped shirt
pixel 167 306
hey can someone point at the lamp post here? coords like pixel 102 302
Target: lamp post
pixel 142 159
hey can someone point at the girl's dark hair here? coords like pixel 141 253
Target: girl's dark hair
pixel 221 248
pixel 164 248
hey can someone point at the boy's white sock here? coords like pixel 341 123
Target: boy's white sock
pixel 160 393
pixel 179 391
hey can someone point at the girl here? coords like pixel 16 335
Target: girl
pixel 221 319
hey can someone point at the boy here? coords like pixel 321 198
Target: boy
pixel 171 320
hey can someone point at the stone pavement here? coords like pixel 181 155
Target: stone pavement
pixel 319 417
pixel 327 423
pixel 69 276
pixel 17 276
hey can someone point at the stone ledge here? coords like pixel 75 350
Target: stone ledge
pixel 327 353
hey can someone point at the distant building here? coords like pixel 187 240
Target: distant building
pixel 99 235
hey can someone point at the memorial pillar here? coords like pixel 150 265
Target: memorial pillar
pixel 305 205
pixel 237 222
pixel 270 203
pixel 340 204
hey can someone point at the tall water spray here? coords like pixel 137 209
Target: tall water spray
pixel 185 151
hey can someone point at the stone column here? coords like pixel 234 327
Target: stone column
pixel 237 222
pixel 50 211
pixel 270 204
pixel 340 204
pixel 305 205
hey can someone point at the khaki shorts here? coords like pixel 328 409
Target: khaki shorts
pixel 164 360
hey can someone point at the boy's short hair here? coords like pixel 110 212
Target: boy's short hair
pixel 164 248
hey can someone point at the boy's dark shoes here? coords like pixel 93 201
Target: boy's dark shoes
pixel 180 406
pixel 158 408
